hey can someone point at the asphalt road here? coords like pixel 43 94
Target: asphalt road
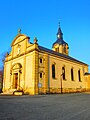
pixel 45 107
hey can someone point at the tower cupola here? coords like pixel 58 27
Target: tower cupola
pixel 60 45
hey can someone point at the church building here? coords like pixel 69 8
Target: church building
pixel 34 69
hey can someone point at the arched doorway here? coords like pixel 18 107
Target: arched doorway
pixel 16 72
pixel 15 81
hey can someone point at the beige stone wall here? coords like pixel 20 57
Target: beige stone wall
pixel 43 68
pixel 36 70
pixel 67 83
pixel 87 79
pixel 29 84
pixel 7 80
pixel 61 49
pixel 54 85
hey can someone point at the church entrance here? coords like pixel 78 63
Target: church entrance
pixel 16 73
pixel 15 80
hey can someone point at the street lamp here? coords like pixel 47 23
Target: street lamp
pixel 61 80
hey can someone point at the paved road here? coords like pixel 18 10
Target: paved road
pixel 45 107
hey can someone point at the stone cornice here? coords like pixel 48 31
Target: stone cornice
pixel 36 49
pixel 62 57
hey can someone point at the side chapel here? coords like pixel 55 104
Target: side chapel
pixel 35 69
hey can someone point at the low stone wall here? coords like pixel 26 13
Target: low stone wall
pixel 64 90
pixel 56 90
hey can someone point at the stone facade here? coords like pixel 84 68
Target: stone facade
pixel 38 70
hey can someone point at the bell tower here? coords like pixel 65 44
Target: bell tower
pixel 60 45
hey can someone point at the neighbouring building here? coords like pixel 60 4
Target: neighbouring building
pixel 35 69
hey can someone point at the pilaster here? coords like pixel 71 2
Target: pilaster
pixel 24 71
pixel 46 74
pixel 4 76
pixel 35 67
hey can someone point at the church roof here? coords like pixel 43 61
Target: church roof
pixel 60 55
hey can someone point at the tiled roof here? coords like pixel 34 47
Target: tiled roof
pixel 60 55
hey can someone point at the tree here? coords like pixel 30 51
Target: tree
pixel 2 59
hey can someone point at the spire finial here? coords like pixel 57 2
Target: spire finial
pixel 59 33
pixel 19 31
pixel 59 24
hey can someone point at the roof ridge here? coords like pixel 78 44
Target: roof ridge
pixel 60 54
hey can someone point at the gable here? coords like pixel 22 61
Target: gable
pixel 19 45
pixel 18 39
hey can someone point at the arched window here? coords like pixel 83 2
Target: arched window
pixel 57 49
pixel 63 73
pixel 79 75
pixel 72 76
pixel 53 71
pixel 64 49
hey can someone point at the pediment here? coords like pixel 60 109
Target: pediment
pixel 19 38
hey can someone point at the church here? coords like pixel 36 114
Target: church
pixel 34 69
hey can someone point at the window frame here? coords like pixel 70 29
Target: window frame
pixel 72 74
pixel 53 71
pixel 41 61
pixel 41 75
pixel 79 75
pixel 63 73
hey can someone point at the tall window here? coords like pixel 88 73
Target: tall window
pixel 40 60
pixel 57 49
pixel 53 71
pixel 72 76
pixel 41 75
pixel 64 49
pixel 79 75
pixel 63 72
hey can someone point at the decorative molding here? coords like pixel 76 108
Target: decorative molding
pixel 22 54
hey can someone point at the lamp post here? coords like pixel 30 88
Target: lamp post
pixel 61 81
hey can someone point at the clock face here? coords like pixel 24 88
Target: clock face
pixel 58 36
